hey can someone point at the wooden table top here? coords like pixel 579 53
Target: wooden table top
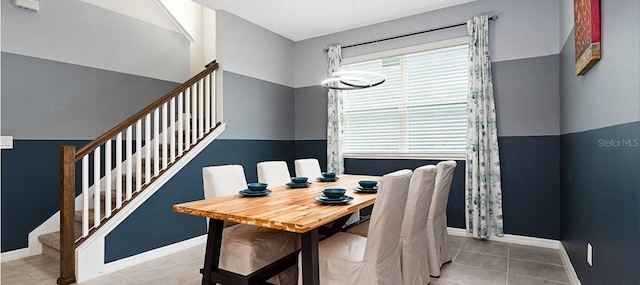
pixel 289 209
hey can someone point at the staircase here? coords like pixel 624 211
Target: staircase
pixel 126 165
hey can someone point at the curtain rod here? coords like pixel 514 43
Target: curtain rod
pixel 492 18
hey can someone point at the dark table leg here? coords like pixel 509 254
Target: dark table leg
pixel 310 268
pixel 212 253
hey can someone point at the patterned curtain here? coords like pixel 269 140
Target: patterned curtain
pixel 335 161
pixel 483 191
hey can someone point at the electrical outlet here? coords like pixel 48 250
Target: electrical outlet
pixel 589 254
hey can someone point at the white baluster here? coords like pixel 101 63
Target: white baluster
pixel 138 155
pixel 128 169
pixel 172 129
pixel 200 108
pixel 180 125
pixel 119 170
pixel 188 118
pixel 207 103
pixel 96 187
pixel 156 142
pixel 85 195
pixel 214 94
pixel 165 130
pixel 194 113
pixel 147 149
pixel 107 179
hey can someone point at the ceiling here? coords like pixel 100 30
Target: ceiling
pixel 304 19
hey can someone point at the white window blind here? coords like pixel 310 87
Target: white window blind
pixel 420 111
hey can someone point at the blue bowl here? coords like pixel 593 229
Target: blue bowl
pixel 257 186
pixel 329 175
pixel 299 179
pixel 334 193
pixel 368 183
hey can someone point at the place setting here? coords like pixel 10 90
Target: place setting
pixel 366 186
pixel 334 196
pixel 299 182
pixel 328 177
pixel 255 190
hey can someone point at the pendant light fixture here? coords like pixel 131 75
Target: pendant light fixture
pixel 352 79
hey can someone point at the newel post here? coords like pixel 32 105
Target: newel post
pixel 67 212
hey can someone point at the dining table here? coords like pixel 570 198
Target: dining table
pixel 285 208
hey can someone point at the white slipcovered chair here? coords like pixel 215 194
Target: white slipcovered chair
pixel 436 242
pixel 414 260
pixel 415 266
pixel 346 258
pixel 247 248
pixel 274 173
pixel 308 167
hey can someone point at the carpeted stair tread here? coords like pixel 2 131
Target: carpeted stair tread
pixel 51 240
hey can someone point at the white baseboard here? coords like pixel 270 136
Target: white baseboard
pixel 573 276
pixel 523 240
pixel 153 254
pixel 14 254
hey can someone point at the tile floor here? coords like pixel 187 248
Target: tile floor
pixel 475 262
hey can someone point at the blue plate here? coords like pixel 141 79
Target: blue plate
pixel 249 193
pixel 298 185
pixel 322 179
pixel 366 190
pixel 342 200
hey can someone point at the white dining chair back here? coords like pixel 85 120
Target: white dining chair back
pixel 383 248
pixel 308 167
pixel 346 258
pixel 223 180
pixel 414 226
pixel 437 244
pixel 247 248
pixel 274 173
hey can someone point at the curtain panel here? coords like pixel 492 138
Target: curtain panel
pixel 335 159
pixel 483 195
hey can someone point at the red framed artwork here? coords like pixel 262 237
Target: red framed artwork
pixel 587 29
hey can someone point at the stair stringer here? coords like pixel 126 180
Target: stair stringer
pixel 90 254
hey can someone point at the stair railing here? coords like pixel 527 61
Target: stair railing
pixel 172 125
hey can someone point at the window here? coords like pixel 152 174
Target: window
pixel 419 112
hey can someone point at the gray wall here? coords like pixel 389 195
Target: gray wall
pixel 311 113
pixel 248 49
pixel 523 45
pixel 44 99
pixel 609 93
pixel 600 151
pixel 257 110
pixel 525 29
pixel 80 33
pixel 71 71
pixel 257 80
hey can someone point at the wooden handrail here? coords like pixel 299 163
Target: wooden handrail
pixel 69 156
pixel 140 114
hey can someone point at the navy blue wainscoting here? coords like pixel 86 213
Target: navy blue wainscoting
pixel 530 182
pixel 154 224
pixel 30 187
pixel 601 203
